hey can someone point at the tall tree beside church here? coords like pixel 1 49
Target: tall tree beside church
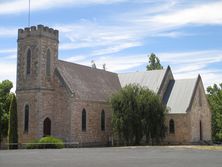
pixel 5 96
pixel 215 100
pixel 154 63
pixel 13 127
pixel 137 113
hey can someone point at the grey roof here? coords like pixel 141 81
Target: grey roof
pixel 149 79
pixel 98 85
pixel 88 83
pixel 179 94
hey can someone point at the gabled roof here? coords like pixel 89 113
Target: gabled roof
pixel 149 79
pixel 87 83
pixel 178 95
pixel 91 84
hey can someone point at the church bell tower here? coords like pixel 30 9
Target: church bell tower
pixel 36 61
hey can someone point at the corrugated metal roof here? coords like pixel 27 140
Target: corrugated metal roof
pixel 149 79
pixel 178 95
pixel 88 83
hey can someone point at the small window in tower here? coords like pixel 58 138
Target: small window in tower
pixel 83 120
pixel 26 121
pixel 200 98
pixel 28 62
pixel 103 120
pixel 48 63
pixel 172 126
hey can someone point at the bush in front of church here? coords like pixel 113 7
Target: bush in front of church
pixel 46 142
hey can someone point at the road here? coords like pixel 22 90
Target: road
pixel 112 157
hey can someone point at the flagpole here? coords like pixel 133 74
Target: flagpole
pixel 29 15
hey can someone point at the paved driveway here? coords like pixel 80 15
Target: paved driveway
pixel 112 157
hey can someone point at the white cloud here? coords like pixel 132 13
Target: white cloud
pixel 190 64
pixel 8 31
pixel 75 58
pixel 8 71
pixel 129 29
pixel 115 64
pixel 115 48
pixel 11 50
pixel 198 14
pixel 17 6
pixel 209 13
pixel 101 39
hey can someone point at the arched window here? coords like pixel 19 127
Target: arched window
pixel 84 120
pixel 48 63
pixel 28 62
pixel 172 126
pixel 103 120
pixel 26 121
pixel 47 127
pixel 200 98
pixel 201 133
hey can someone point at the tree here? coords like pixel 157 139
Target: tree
pixel 153 116
pixel 137 112
pixel 5 96
pixel 12 133
pixel 154 63
pixel 215 101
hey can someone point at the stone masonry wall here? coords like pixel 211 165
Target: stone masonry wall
pixel 200 111
pixel 28 98
pixel 182 129
pixel 38 40
pixel 93 133
pixel 62 112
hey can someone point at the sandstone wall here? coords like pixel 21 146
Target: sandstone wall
pixel 93 133
pixel 200 111
pixel 30 98
pixel 182 129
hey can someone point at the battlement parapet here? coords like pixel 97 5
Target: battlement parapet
pixel 40 30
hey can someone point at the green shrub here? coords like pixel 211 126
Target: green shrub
pixel 46 142
pixel 33 144
pixel 50 142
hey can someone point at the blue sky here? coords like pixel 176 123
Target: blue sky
pixel 187 35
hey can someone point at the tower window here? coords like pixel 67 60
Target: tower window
pixel 172 126
pixel 28 62
pixel 26 121
pixel 200 98
pixel 47 127
pixel 48 63
pixel 103 120
pixel 83 120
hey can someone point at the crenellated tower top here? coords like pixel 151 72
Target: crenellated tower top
pixel 38 31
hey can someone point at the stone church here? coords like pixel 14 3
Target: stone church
pixel 69 101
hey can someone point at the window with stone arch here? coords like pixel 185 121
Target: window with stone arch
pixel 47 127
pixel 26 119
pixel 48 63
pixel 28 61
pixel 172 126
pixel 84 120
pixel 103 123
pixel 200 98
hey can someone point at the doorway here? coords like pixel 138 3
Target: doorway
pixel 47 127
pixel 201 133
